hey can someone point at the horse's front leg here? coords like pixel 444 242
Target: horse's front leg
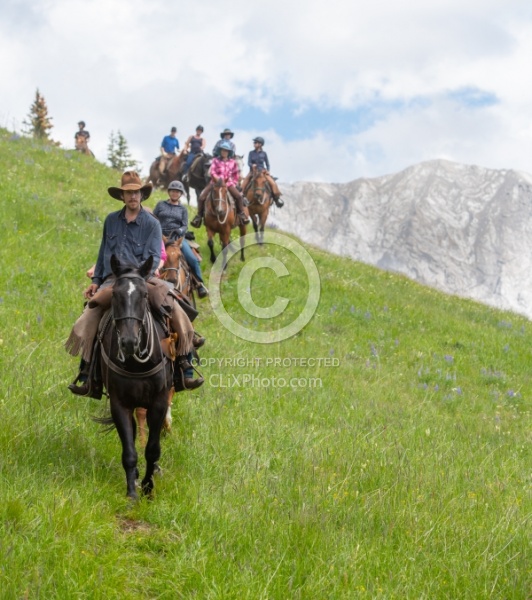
pixel 156 416
pixel 261 228
pixel 210 243
pixel 126 428
pixel 242 229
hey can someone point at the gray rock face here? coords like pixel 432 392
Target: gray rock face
pixel 462 229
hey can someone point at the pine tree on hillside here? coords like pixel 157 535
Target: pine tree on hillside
pixel 39 123
pixel 118 153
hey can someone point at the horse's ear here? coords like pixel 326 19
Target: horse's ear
pixel 180 241
pixel 145 268
pixel 115 265
pixel 165 240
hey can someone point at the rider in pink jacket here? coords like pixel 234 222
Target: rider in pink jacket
pixel 223 167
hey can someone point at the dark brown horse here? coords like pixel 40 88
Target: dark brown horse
pixel 198 175
pixel 172 172
pixel 135 370
pixel 260 198
pixel 220 218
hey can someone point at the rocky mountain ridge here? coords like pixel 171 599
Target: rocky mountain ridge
pixel 463 229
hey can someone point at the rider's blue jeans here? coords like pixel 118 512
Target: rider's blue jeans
pixel 189 161
pixel 191 259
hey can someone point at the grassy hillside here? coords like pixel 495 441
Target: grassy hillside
pixel 401 472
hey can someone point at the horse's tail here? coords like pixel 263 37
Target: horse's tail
pixel 106 421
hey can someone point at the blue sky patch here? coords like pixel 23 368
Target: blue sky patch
pixel 472 97
pixel 294 122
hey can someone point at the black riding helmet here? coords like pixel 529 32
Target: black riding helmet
pixel 259 140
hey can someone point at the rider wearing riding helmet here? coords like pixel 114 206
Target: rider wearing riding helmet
pixel 194 145
pixel 173 217
pixel 226 136
pixel 223 167
pixel 259 159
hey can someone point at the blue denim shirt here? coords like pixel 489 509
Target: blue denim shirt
pixel 131 243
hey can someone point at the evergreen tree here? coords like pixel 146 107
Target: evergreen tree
pixel 118 153
pixel 39 123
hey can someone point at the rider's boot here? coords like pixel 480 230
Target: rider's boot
pixel 239 201
pixel 183 373
pixel 278 201
pixel 203 292
pixel 198 341
pixel 90 386
pixel 197 220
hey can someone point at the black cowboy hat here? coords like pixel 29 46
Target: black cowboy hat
pixel 130 181
pixel 225 132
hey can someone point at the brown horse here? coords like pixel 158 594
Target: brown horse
pixel 220 218
pixel 172 172
pixel 176 270
pixel 82 146
pixel 260 198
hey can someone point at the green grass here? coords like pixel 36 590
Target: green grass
pixel 405 474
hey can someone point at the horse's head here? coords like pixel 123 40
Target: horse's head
pixel 220 197
pixel 129 304
pixel 170 270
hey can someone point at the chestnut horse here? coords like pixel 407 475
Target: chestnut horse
pixel 177 272
pixel 220 218
pixel 135 370
pixel 82 146
pixel 172 172
pixel 260 198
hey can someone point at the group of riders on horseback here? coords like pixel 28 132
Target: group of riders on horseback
pixel 171 224
pixel 222 165
pixel 115 336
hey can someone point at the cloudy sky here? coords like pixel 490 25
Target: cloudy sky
pixel 339 89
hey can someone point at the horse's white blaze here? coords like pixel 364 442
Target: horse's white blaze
pixel 131 288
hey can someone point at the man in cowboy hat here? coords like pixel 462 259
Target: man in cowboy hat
pixel 132 234
pixel 226 136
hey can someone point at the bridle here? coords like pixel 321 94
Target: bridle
pixel 146 325
pixel 217 199
pixel 180 268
